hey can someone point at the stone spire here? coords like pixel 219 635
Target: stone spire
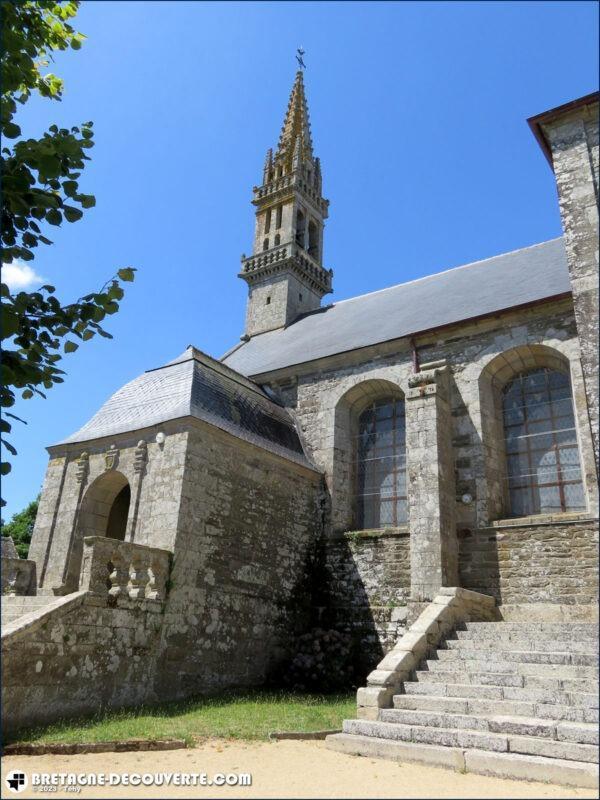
pixel 285 273
pixel 296 125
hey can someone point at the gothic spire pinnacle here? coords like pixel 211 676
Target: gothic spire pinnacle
pixel 296 124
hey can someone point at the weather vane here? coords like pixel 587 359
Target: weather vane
pixel 299 57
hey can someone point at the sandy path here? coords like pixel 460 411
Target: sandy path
pixel 285 769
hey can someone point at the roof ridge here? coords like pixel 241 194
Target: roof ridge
pixel 445 271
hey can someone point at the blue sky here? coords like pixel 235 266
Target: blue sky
pixel 418 114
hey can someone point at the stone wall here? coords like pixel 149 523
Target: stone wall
pixel 545 562
pixel 82 657
pixel 366 588
pixel 315 392
pixel 247 529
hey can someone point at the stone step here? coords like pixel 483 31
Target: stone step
pixel 478 666
pixel 507 679
pixel 473 739
pixel 470 705
pixel 490 692
pixel 518 725
pixel 547 630
pixel 521 656
pixel 505 765
pixel 523 643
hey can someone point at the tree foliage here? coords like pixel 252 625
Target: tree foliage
pixel 20 527
pixel 40 188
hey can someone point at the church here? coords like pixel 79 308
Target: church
pixel 415 467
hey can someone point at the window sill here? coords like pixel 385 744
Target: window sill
pixel 376 533
pixel 541 519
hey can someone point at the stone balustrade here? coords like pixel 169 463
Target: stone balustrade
pixel 114 569
pixel 284 253
pixel 452 605
pixel 18 576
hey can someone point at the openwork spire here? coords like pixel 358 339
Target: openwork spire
pixel 296 124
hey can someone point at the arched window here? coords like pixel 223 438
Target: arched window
pixel 278 217
pixel 266 244
pixel 380 468
pixel 268 220
pixel 277 239
pixel 542 455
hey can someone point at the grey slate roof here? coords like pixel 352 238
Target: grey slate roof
pixel 198 386
pixel 484 287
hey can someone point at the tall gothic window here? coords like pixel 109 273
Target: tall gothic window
pixel 279 216
pixel 300 227
pixel 543 469
pixel 268 221
pixel 313 239
pixel 380 477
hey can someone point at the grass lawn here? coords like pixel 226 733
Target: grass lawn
pixel 237 715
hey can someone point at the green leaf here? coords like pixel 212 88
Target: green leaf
pixel 27 394
pixel 70 347
pixel 126 274
pixel 87 200
pixel 54 217
pixel 11 131
pixel 5 468
pixel 72 214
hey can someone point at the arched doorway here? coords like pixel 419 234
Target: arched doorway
pixel 103 512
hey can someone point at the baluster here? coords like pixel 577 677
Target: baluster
pixel 117 575
pixel 138 578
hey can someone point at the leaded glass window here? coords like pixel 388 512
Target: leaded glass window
pixel 380 467
pixel 543 469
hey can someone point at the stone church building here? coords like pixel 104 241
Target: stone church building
pixel 416 467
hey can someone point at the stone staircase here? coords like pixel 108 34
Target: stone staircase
pixel 14 607
pixel 511 699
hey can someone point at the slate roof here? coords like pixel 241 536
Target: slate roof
pixel 198 386
pixel 484 287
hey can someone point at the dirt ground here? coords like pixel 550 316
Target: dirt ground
pixel 287 769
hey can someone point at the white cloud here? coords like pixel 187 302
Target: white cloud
pixel 19 275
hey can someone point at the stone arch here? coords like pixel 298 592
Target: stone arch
pixel 498 372
pixel 347 412
pixel 105 506
pixel 103 512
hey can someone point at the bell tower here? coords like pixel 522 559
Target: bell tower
pixel 285 273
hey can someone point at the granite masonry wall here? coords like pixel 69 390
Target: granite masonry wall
pixel 478 357
pixel 82 657
pixel 240 527
pixel 248 526
pixel 539 562
pixel 367 589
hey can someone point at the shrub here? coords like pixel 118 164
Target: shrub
pixel 323 662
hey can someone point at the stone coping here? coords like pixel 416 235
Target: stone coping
pixel 76 748
pixel 27 623
pixel 375 533
pixel 539 519
pixel 452 605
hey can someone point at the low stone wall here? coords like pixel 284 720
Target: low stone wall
pixel 367 576
pixel 95 649
pixel 544 562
